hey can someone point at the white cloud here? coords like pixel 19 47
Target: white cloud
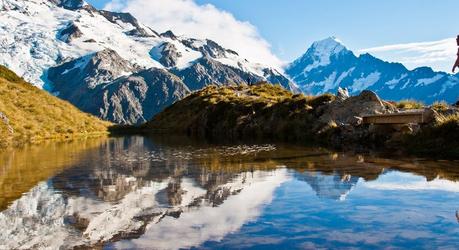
pixel 440 55
pixel 407 181
pixel 185 17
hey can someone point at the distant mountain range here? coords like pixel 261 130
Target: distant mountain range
pixel 328 64
pixel 111 65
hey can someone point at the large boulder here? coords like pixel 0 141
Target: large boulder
pixel 347 111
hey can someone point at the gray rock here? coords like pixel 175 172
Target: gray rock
pixel 169 34
pixel 139 30
pixel 69 4
pixel 208 49
pixel 356 121
pixel 169 55
pixel 69 33
pixel 367 103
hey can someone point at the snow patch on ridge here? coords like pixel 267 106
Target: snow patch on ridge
pixel 392 83
pixel 365 82
pixel 428 81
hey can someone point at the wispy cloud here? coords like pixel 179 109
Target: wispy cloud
pixel 186 17
pixel 439 55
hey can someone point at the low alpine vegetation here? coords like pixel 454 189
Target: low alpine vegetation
pixel 30 114
pixel 410 104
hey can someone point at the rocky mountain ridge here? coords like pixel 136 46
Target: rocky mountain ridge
pixel 74 50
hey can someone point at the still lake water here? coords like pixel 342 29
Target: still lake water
pixel 171 193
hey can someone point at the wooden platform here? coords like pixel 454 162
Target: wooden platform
pixel 405 117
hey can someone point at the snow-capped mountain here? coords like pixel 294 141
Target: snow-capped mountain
pixel 332 186
pixel 328 64
pixel 111 65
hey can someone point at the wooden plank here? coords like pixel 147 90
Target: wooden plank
pixel 418 117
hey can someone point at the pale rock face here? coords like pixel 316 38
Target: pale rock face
pixel 344 112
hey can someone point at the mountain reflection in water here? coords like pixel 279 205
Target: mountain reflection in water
pixel 170 193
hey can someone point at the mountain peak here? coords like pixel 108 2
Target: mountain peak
pixel 320 54
pixel 328 46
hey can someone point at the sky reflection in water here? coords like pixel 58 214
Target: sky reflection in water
pixel 136 192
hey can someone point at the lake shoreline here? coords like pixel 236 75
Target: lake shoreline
pixel 267 112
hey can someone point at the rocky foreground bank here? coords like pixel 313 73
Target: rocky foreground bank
pixel 270 112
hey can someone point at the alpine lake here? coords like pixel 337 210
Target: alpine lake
pixel 138 192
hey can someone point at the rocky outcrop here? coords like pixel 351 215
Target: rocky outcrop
pixel 139 30
pixel 70 33
pixel 209 48
pixel 169 34
pixel 169 55
pixel 69 4
pixel 348 111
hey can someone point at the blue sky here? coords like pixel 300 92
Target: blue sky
pixel 290 26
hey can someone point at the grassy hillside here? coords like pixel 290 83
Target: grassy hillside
pixel 30 114
pixel 262 111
